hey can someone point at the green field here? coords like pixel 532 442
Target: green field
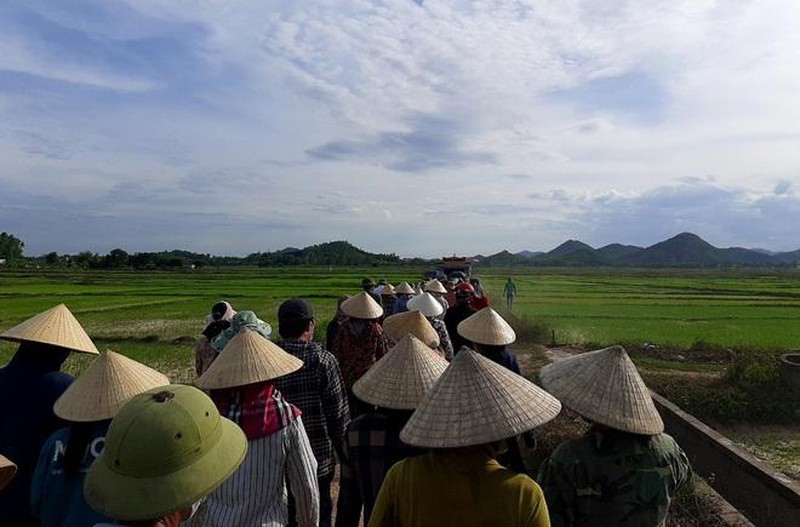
pixel 155 316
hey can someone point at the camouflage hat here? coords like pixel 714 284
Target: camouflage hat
pixel 166 449
pixel 605 387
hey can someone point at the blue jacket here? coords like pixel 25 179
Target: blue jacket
pixel 57 497
pixel 29 385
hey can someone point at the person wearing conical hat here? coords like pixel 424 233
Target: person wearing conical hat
pixel 404 292
pixel 166 449
pixel 465 417
pixel 435 288
pixel 219 320
pixel 333 326
pixel 388 298
pixel 7 471
pixel 29 385
pixel 241 384
pixel 317 389
pixel 394 386
pixel 625 470
pixel 490 335
pixel 88 405
pixel 242 319
pixel 359 343
pixel 398 326
pixel 432 309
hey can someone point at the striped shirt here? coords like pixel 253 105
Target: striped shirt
pixel 256 495
pixel 317 389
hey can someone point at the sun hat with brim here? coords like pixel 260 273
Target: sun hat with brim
pixel 477 401
pixel 7 471
pixel 248 358
pixel 166 449
pixel 362 306
pixel 56 326
pixel 388 290
pixel 108 383
pixel 404 289
pixel 435 286
pixel 402 377
pixel 426 304
pixel 486 327
pixel 605 387
pixel 242 319
pixel 410 322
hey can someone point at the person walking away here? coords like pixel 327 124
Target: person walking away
pixel 388 298
pixel 166 449
pixel 333 326
pixel 510 292
pixel 432 310
pixel 458 312
pixel 480 299
pixel 369 287
pixel 395 385
pixel 241 384
pixel 435 288
pixel 317 389
pixel 469 411
pixel 404 292
pixel 220 319
pixel 398 326
pixel 88 405
pixel 29 385
pixel 625 471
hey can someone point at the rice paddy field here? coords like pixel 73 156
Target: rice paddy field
pixel 156 316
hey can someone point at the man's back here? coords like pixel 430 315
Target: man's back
pixel 611 478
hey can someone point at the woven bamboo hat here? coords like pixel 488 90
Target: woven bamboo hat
pixel 108 383
pixel 402 377
pixel 56 326
pixel 404 289
pixel 604 386
pixel 388 290
pixel 248 358
pixel 426 304
pixel 435 286
pixel 486 327
pixel 398 326
pixel 477 401
pixel 7 471
pixel 362 306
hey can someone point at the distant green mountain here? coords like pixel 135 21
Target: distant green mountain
pixel 330 253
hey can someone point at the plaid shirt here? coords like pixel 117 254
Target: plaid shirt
pixel 357 352
pixel 373 444
pixel 318 391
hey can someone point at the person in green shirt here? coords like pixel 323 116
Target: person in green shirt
pixel 510 292
pixel 625 471
pixel 474 406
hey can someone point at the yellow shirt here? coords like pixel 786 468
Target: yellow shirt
pixel 459 487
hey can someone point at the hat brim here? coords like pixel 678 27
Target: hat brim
pixel 7 471
pixel 136 498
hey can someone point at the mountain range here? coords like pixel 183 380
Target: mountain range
pixel 684 250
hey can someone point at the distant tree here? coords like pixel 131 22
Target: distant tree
pixel 10 247
pixel 86 259
pixel 51 258
pixel 116 259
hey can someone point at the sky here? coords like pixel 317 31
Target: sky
pixel 415 127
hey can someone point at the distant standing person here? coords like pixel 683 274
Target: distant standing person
pixel 219 320
pixel 510 292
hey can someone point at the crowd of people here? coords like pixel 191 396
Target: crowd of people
pixel 415 396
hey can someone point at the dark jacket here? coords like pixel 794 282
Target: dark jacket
pixel 29 385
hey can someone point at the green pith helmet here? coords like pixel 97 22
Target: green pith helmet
pixel 165 449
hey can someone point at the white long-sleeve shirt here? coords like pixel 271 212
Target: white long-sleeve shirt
pixel 255 495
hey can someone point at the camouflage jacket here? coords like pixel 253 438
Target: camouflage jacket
pixel 610 478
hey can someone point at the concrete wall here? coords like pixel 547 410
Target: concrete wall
pixel 763 495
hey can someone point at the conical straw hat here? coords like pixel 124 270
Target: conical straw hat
pixel 426 304
pixel 435 286
pixel 402 377
pixel 604 386
pixel 362 306
pixel 404 289
pixel 57 327
pixel 108 383
pixel 486 327
pixel 477 401
pixel 388 290
pixel 248 358
pixel 398 326
pixel 7 471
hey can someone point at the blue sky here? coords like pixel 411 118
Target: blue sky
pixel 403 126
